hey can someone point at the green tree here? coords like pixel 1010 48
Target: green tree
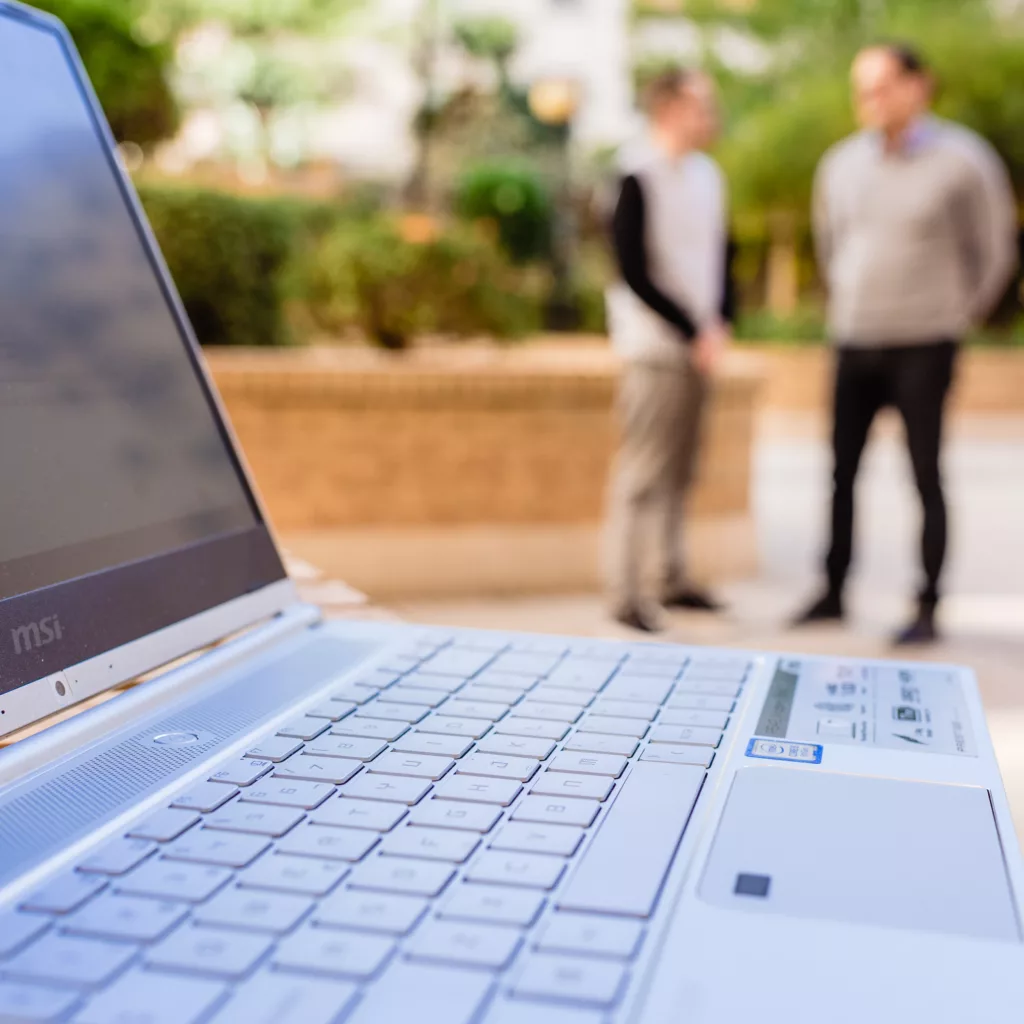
pixel 129 74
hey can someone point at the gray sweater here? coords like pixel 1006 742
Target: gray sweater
pixel 916 245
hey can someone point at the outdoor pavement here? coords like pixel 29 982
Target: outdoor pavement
pixel 983 617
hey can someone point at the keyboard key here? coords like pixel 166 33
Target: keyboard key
pixel 565 713
pixel 405 694
pixel 329 770
pixel 705 689
pixel 164 879
pixel 355 748
pixel 570 979
pixel 491 694
pixel 521 746
pixel 557 810
pixel 277 998
pixel 375 679
pixel 370 911
pixel 641 709
pixel 560 840
pixel 419 766
pixel 453 814
pixel 474 728
pixel 285 793
pixel 338 708
pixel 368 814
pixel 327 842
pixel 27 1003
pixel 498 767
pixel 274 748
pixel 164 825
pixel 253 910
pixel 402 875
pixel 256 819
pixel 586 676
pixel 69 961
pixel 17 930
pixel 532 871
pixel 704 719
pixel 561 695
pixel 454 661
pixel 478 790
pixel 590 935
pixel 64 893
pixel 204 797
pixel 517 1011
pixel 600 743
pixel 686 734
pixel 417 742
pixel 650 691
pixel 732 670
pixel 622 870
pixel 431 844
pixel 389 788
pixel 128 918
pixel 606 725
pixel 535 727
pixel 450 684
pixel 679 753
pixel 458 942
pixel 562 784
pixel 696 702
pixel 504 681
pixel 490 711
pixel 328 951
pixel 370 728
pixel 426 994
pixel 221 953
pixel 121 855
pixel 537 663
pixel 655 671
pixel 304 876
pixel 305 728
pixel 241 772
pixel 219 848
pixel 410 713
pixel 588 764
pixel 146 997
pixel 498 904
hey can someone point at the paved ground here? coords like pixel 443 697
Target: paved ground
pixel 984 614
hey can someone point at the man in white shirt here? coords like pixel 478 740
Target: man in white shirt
pixel 668 318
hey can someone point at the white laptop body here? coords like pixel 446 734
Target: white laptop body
pixel 359 823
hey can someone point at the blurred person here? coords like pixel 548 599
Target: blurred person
pixel 668 316
pixel 915 226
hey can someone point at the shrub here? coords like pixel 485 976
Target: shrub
pixel 233 258
pixel 514 198
pixel 394 283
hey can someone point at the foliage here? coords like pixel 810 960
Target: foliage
pixel 233 258
pixel 128 75
pixel 512 196
pixel 489 38
pixel 450 281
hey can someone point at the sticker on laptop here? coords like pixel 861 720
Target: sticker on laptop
pixel 898 708
pixel 780 750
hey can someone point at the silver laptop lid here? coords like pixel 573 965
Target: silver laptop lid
pixel 124 508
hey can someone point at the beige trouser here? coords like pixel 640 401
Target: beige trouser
pixel 661 410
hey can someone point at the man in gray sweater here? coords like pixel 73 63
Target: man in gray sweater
pixel 915 225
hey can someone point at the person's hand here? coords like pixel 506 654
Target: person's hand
pixel 709 347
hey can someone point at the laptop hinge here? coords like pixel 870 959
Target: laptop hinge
pixel 79 731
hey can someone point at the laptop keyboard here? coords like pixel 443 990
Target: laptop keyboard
pixel 475 830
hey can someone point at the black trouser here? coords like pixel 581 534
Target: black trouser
pixel 915 379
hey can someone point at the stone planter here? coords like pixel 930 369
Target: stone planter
pixel 457 470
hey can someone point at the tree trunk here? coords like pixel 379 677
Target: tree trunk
pixel 783 284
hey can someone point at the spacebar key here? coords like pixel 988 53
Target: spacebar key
pixel 623 870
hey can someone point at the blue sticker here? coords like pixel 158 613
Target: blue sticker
pixel 781 750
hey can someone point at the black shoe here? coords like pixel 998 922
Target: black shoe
pixel 920 632
pixel 828 608
pixel 634 618
pixel 692 600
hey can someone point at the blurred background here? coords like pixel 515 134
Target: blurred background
pixel 386 219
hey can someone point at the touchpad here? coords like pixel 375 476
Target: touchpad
pixel 862 850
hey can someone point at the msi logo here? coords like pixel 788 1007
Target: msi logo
pixel 36 634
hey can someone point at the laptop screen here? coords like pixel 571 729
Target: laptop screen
pixel 111 450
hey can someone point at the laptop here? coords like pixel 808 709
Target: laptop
pixel 301 822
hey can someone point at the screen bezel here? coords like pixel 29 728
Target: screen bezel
pixel 122 605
